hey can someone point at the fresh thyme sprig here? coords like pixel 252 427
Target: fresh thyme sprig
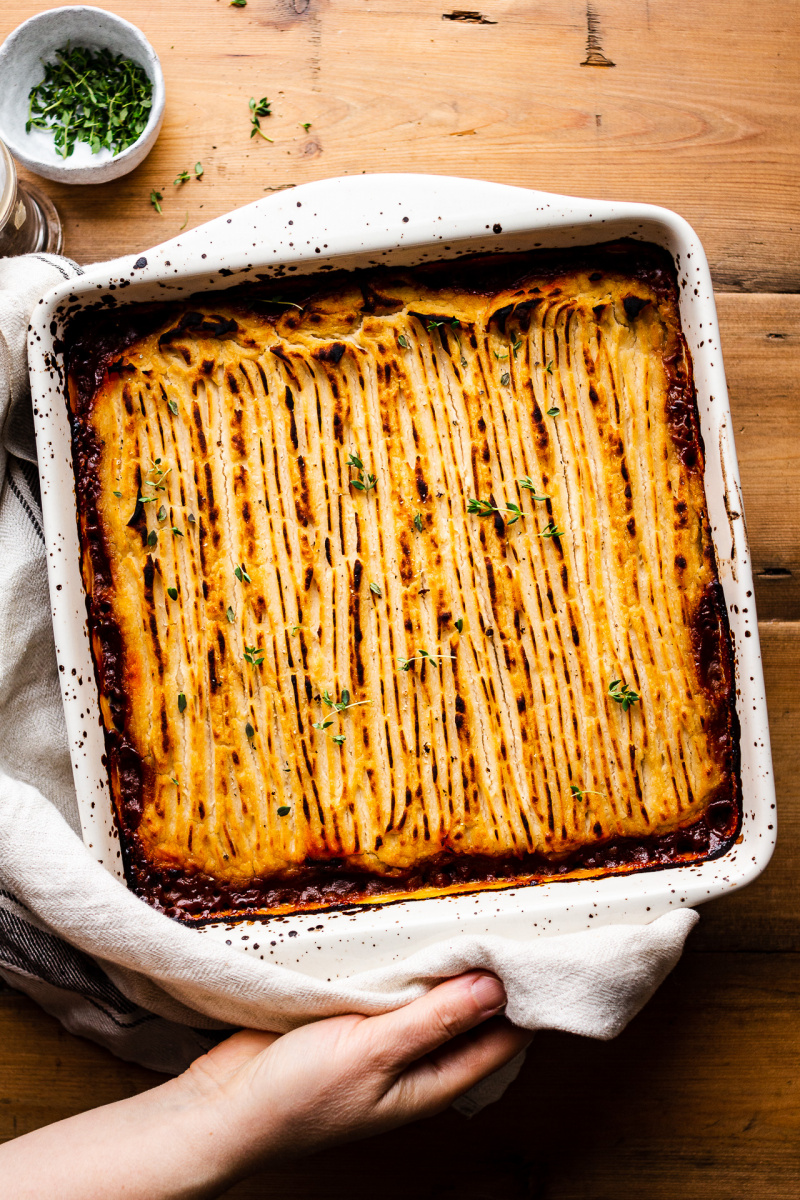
pixel 183 177
pixel 254 655
pixel 422 656
pixel 241 573
pixel 432 323
pixel 98 98
pixel 527 483
pixel 155 200
pixel 337 706
pixel 364 482
pixel 418 522
pixel 484 508
pixel 622 694
pixel 259 108
pixel 551 530
pixel 280 302
pixel 579 793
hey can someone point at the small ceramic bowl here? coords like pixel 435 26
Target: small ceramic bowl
pixel 21 58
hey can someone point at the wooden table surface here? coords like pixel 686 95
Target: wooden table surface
pixel 693 104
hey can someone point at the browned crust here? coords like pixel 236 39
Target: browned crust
pixel 192 896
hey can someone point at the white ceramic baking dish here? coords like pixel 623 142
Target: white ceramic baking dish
pixel 407 219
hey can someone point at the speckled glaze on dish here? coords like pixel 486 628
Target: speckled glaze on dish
pixel 407 219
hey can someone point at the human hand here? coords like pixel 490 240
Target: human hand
pixel 260 1096
pixel 349 1077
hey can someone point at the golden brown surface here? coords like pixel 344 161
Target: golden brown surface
pixel 256 585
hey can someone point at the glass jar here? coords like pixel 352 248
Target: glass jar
pixel 28 219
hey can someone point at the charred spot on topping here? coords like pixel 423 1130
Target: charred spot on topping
pixel 631 526
pixel 422 487
pixel 212 671
pixel 633 305
pixel 331 354
pixel 680 562
pixel 598 310
pixel 358 571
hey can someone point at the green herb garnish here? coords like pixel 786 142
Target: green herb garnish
pixel 238 4
pixel 177 532
pixel 231 615
pixel 505 379
pixel 118 495
pixel 338 706
pixel 579 793
pixel 172 406
pixel 284 810
pixel 483 508
pixel 364 482
pixel 98 98
pixel 161 515
pixel 181 702
pixel 373 587
pixel 172 592
pixel 422 656
pixel 527 483
pixel 198 170
pixel 241 574
pixel 515 345
pixel 339 738
pixel 403 341
pixel 306 125
pixel 418 522
pixel 549 368
pixel 152 537
pixel 183 177
pixel 259 108
pixel 155 200
pixel 254 655
pixel 459 624
pixel 622 694
pixel 249 731
pixel 551 530
pixel 553 412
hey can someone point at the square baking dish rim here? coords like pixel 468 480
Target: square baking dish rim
pixel 393 219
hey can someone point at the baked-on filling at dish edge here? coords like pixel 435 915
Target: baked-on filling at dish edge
pixel 400 583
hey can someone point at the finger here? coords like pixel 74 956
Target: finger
pixel 399 1038
pixel 432 1084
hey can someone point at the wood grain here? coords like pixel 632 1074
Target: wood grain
pixel 697 113
pixel 761 346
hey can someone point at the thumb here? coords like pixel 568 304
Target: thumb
pixel 399 1038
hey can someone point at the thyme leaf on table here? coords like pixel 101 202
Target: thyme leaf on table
pixel 258 109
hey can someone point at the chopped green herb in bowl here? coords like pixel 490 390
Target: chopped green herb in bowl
pixel 82 97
